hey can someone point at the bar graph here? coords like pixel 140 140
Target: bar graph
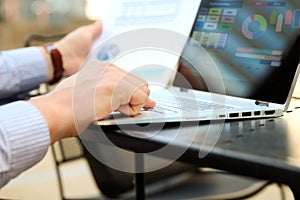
pixel 259 56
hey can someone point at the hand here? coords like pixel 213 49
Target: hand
pixel 92 94
pixel 75 46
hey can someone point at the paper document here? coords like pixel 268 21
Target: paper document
pixel 123 16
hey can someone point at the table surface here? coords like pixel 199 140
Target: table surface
pixel 261 148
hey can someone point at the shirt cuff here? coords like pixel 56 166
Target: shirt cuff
pixel 29 67
pixel 24 138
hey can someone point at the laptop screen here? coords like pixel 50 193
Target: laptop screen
pixel 254 44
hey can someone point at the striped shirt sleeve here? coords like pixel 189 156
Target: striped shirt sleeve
pixel 24 139
pixel 21 70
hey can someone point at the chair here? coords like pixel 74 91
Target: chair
pixel 32 39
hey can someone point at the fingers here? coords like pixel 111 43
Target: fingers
pixel 131 94
pixel 149 104
pixel 137 100
pixel 114 89
pixel 132 110
pixel 96 29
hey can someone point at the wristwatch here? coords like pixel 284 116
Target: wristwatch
pixel 57 63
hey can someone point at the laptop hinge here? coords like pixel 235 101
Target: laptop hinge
pixel 261 103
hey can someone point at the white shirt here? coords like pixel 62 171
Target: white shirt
pixel 24 135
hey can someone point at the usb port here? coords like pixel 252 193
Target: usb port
pixel 269 112
pixel 256 113
pixel 232 115
pixel 246 114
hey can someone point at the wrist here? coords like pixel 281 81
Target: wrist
pixel 68 58
pixel 57 116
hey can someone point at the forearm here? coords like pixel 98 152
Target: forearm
pixel 24 139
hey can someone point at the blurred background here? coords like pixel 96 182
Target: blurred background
pixel 21 17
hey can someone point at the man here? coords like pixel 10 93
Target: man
pixel 27 128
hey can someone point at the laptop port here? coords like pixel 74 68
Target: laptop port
pixel 233 115
pixel 269 112
pixel 222 116
pixel 246 114
pixel 256 113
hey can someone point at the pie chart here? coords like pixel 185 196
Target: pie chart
pixel 108 52
pixel 254 26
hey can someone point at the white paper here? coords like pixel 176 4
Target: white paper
pixel 123 16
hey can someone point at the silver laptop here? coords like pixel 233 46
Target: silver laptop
pixel 241 62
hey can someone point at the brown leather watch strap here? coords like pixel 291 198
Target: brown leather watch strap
pixel 57 63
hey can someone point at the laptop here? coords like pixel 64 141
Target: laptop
pixel 240 62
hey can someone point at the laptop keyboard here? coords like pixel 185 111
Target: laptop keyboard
pixel 176 105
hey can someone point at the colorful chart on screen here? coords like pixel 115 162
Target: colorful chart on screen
pixel 254 26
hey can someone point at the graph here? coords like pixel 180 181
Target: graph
pixel 254 26
pixel 268 57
